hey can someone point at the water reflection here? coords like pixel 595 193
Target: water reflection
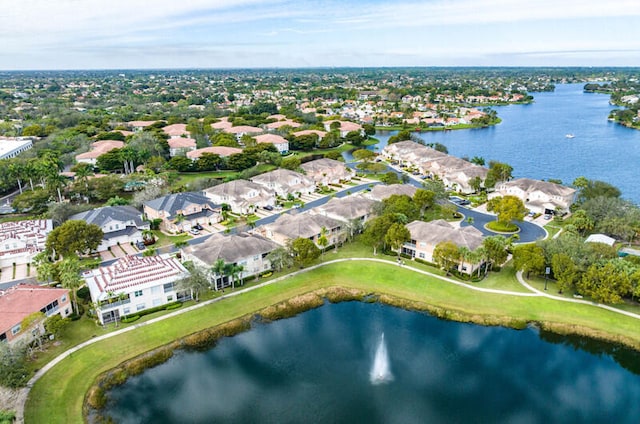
pixel 315 368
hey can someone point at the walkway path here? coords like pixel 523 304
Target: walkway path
pixel 24 393
pixel 564 299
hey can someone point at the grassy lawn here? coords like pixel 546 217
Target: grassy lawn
pixel 163 239
pixel 552 229
pixel 58 397
pixel 185 178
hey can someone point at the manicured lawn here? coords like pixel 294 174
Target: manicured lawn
pixel 58 397
pixel 163 239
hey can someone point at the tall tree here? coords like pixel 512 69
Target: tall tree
pixel 507 208
pixel 304 251
pixel 565 271
pixel 529 258
pixel 396 236
pixel 495 249
pixel 70 278
pixel 447 255
pixel 74 237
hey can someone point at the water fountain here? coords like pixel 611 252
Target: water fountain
pixel 381 369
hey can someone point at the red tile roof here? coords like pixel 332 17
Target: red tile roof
pixel 22 300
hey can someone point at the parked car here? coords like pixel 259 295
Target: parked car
pixel 198 227
pixel 268 208
pixel 547 216
pixel 194 231
pixel 140 245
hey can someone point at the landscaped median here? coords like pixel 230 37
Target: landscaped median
pixel 58 396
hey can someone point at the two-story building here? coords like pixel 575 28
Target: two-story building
pixel 347 209
pixel 98 149
pixel 20 241
pixel 303 225
pixel 179 146
pixel 425 237
pixel 133 284
pixel 280 143
pixel 327 171
pixel 379 192
pixel 246 250
pixel 120 224
pixel 18 302
pixel 243 197
pixel 181 211
pixel 538 196
pixel 285 182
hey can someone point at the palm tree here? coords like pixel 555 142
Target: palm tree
pixel 70 278
pixel 230 270
pixel 219 269
pixel 237 271
pixel 147 235
pixel 322 240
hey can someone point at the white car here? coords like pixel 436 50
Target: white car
pixel 194 231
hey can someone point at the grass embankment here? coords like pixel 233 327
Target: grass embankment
pixel 59 395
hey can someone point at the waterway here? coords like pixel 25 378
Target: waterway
pixel 333 364
pixel 532 139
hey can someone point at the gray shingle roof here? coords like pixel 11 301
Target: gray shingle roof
pixel 231 248
pixel 439 230
pixel 100 216
pixel 173 203
pixel 303 225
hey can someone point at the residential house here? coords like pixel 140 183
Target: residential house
pixel 97 149
pixel 180 211
pixel 284 123
pixel 244 249
pixel 222 151
pixel 133 284
pixel 462 179
pixel 538 196
pixel 425 236
pixel 120 224
pixel 327 171
pixel 280 143
pixel 347 209
pixel 241 130
pixel 243 197
pixel 319 133
pixel 20 241
pixel 601 238
pixel 223 124
pixel 303 225
pixel 285 182
pixel 176 130
pixel 22 300
pixel 345 127
pixel 181 145
pixel 137 126
pixel 380 192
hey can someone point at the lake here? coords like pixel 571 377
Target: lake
pixel 330 365
pixel 532 139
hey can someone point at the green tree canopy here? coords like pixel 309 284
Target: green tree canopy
pixel 74 237
pixel 507 208
pixel 304 252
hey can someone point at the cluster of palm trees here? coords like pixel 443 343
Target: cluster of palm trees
pixel 222 269
pixel 45 170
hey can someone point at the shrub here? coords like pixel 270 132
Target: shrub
pixel 128 319
pixel 84 294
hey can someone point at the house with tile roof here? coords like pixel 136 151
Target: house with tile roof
pixel 20 241
pixel 222 124
pixel 244 249
pixel 176 130
pixel 284 123
pixel 285 182
pixel 327 171
pixel 348 208
pixel 120 224
pixel 303 225
pixel 319 133
pixel 242 196
pixel 379 192
pixel 137 126
pixel 222 151
pixel 425 236
pixel 181 211
pixel 97 149
pixel 241 130
pixel 345 127
pixel 538 196
pixel 133 284
pixel 280 143
pixel 22 300
pixel 181 146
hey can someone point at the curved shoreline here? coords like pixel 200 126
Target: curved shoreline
pixel 447 312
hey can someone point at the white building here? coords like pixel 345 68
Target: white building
pixel 134 284
pixel 20 241
pixel 10 147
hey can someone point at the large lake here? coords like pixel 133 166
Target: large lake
pixel 532 139
pixel 316 367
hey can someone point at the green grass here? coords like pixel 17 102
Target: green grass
pixel 59 395
pixel 502 227
pixel 163 239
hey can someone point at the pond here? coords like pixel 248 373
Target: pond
pixel 361 362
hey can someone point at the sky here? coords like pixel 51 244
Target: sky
pixel 125 34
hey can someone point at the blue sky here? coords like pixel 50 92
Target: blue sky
pixel 92 34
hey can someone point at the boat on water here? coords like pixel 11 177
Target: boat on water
pixel 570 136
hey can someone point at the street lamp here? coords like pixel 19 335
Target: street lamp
pixel 547 271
